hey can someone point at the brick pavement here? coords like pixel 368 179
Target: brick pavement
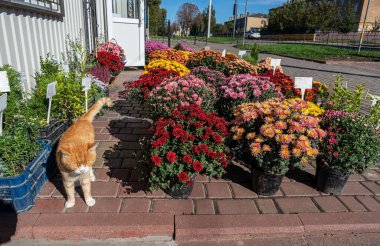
pixel 125 208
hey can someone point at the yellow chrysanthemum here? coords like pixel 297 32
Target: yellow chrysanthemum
pixel 168 65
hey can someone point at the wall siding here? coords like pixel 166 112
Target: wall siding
pixel 25 36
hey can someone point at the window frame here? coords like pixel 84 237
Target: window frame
pixel 35 8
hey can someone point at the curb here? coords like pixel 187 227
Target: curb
pixel 59 226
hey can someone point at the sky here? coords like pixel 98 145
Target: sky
pixel 223 8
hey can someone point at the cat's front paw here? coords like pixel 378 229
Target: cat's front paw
pixel 92 178
pixel 69 204
pixel 90 202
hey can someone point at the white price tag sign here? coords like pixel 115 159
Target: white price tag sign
pixel 224 53
pixel 375 99
pixel 66 68
pixel 207 48
pixel 3 106
pixel 303 83
pixel 86 83
pixel 51 90
pixel 3 102
pixel 275 63
pixel 242 53
pixel 4 82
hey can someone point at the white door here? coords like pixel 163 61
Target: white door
pixel 126 25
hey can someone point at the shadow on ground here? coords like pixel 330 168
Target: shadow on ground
pixel 8 222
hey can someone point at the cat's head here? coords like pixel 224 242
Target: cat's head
pixel 79 158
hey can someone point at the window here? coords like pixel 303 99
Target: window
pixel 125 8
pixel 49 7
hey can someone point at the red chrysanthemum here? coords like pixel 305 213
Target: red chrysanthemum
pixel 197 166
pixel 187 159
pixel 183 176
pixel 156 160
pixel 171 156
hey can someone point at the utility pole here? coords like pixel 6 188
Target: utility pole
pixel 235 13
pixel 364 24
pixel 209 19
pixel 245 21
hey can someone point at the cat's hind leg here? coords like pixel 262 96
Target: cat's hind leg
pixel 92 175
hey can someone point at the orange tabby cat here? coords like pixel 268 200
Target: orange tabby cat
pixel 76 153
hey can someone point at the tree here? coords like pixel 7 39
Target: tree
pixel 205 17
pixel 198 25
pixel 220 28
pixel 349 20
pixel 157 17
pixel 186 15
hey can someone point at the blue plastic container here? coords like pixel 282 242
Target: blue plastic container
pixel 20 192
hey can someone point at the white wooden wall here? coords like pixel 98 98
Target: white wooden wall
pixel 25 36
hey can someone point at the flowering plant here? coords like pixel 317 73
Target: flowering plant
pixel 243 88
pixel 351 144
pixel 282 81
pixel 188 143
pixel 168 65
pixel 207 58
pixel 113 48
pixel 110 60
pixel 240 66
pixel 312 109
pixel 277 133
pixel 154 45
pixel 144 85
pixel 168 54
pixel 231 56
pixel 184 47
pixel 100 72
pixel 181 91
pixel 318 93
pixel 211 77
pixel 264 66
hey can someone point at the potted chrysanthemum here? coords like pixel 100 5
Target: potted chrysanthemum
pixel 277 135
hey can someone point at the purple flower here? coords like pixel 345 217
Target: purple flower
pixel 151 46
pixel 184 47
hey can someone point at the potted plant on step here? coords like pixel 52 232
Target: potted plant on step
pixel 188 143
pixel 351 145
pixel 276 135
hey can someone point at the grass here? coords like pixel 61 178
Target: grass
pixel 317 52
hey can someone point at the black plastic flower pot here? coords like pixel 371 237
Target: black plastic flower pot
pixel 181 193
pixel 330 181
pixel 265 184
pixel 54 130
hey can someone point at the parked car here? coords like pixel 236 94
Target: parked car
pixel 252 35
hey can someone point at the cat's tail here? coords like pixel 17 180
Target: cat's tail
pixel 95 109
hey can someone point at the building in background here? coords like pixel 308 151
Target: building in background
pixel 30 29
pixel 254 22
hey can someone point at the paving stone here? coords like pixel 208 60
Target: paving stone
pixel 48 206
pixel 198 191
pixel 156 194
pixel 127 153
pixel 202 178
pixel 102 226
pixel 370 203
pixel 104 189
pixel 80 207
pixel 136 175
pixel 113 163
pixel 348 222
pixel 236 207
pixel 296 205
pixel 218 190
pixel 106 205
pixel 134 205
pixel 98 129
pixel 298 189
pixel 372 175
pixel 210 227
pixel 99 162
pixel 102 137
pixel 17 226
pixel 356 177
pixel 130 163
pixel 352 204
pixel 355 188
pixel 266 206
pixel 173 206
pixel 101 124
pixel 204 207
pixel 102 174
pixel 48 190
pixel 330 204
pixel 372 186
pixel 120 175
pixel 240 191
pixel 132 189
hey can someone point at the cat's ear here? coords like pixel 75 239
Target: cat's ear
pixel 64 152
pixel 92 147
